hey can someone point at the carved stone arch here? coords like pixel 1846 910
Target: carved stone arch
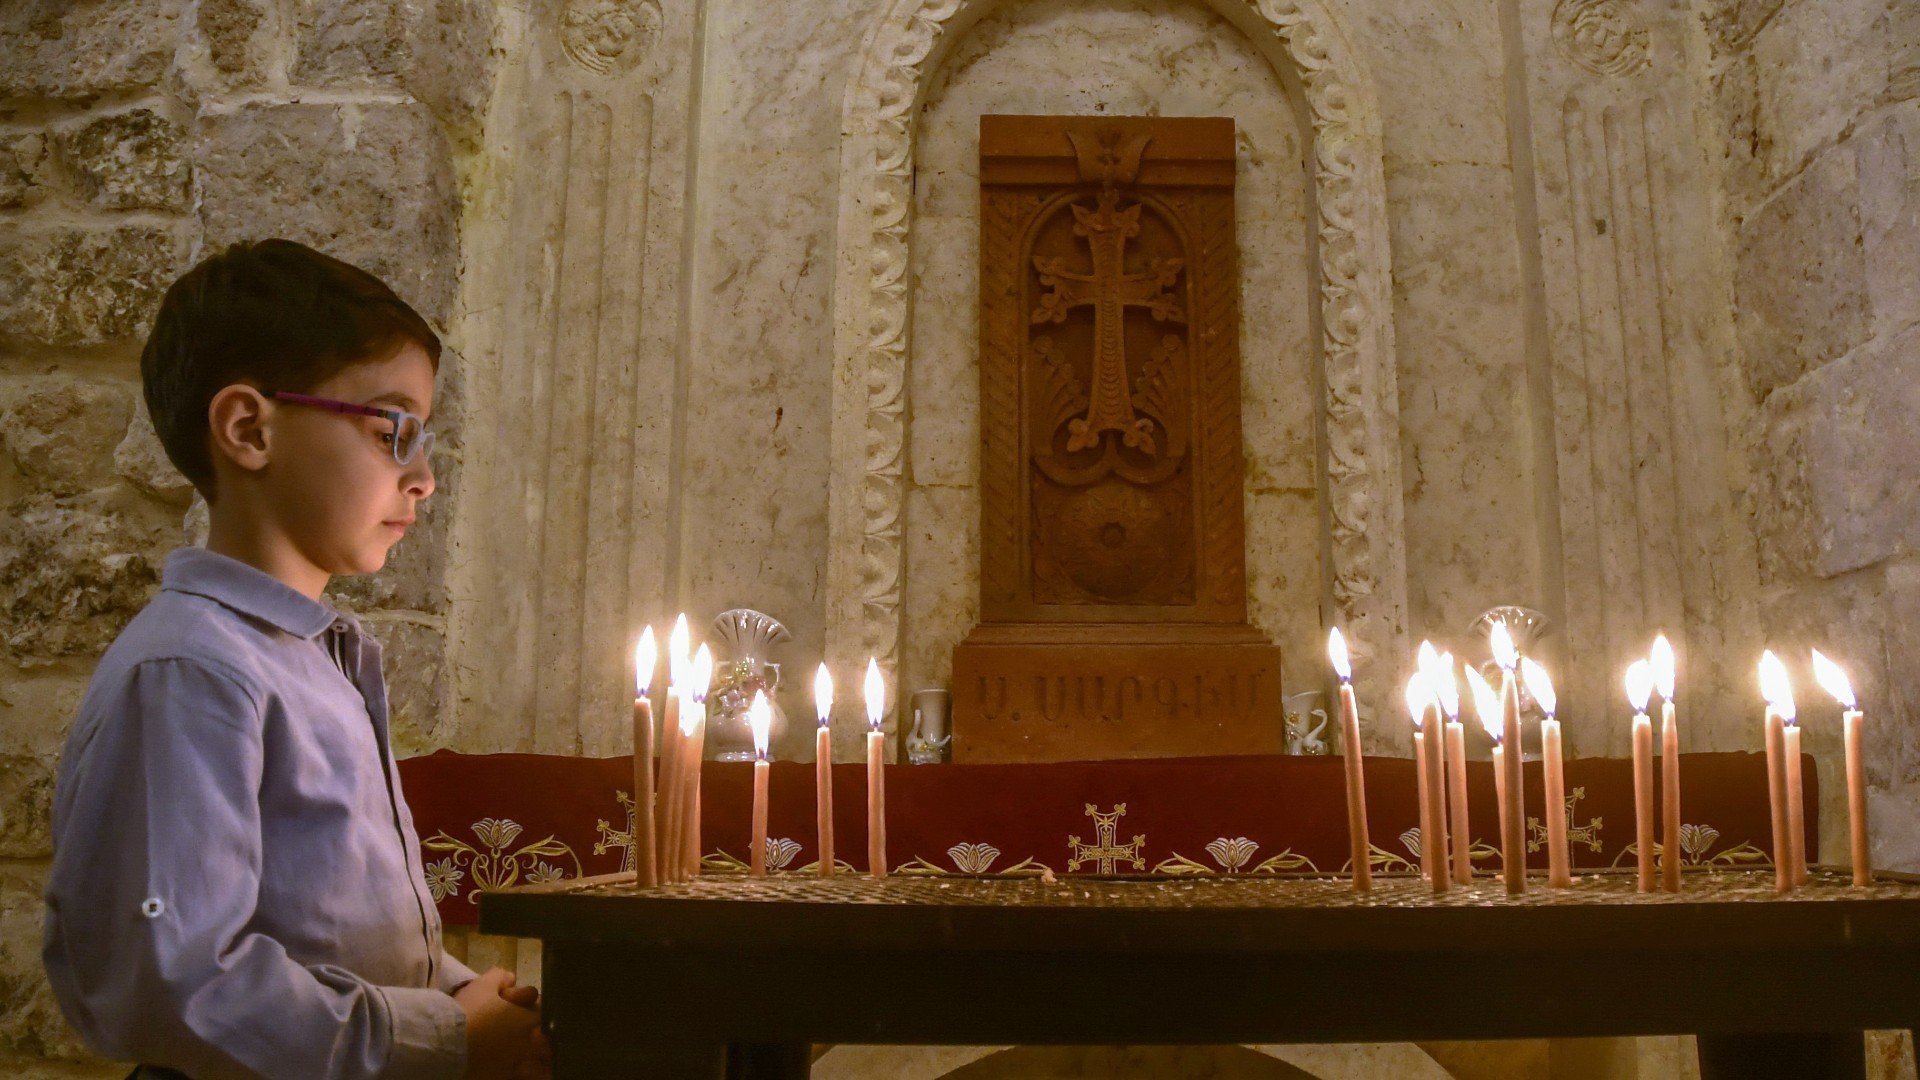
pixel 1362 524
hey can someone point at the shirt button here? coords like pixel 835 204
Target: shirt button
pixel 340 627
pixel 153 907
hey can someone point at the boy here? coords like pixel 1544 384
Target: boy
pixel 236 887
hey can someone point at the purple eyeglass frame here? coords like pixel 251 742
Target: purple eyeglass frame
pixel 397 417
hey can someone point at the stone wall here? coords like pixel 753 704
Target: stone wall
pixel 135 136
pixel 1817 104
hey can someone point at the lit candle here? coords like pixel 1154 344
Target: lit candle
pixel 1356 775
pixel 1778 690
pixel 1661 661
pixel 876 701
pixel 1553 775
pixel 1423 708
pixel 1834 681
pixel 693 722
pixel 823 767
pixel 1513 824
pixel 1639 690
pixel 645 657
pixel 1457 826
pixel 673 755
pixel 760 720
pixel 1486 705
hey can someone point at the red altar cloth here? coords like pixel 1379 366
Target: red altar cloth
pixel 492 821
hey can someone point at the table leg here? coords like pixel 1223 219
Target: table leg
pixel 769 1061
pixel 1836 1055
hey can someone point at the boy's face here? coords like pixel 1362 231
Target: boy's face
pixel 340 497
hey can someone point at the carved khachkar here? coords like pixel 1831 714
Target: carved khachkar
pixel 1113 580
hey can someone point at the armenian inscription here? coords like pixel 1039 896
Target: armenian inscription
pixel 1113 586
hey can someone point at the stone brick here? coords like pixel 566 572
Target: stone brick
pixel 1857 455
pixel 72 573
pixel 140 458
pixel 85 286
pixel 26 806
pixel 23 163
pixel 30 1019
pixel 440 51
pixel 1889 163
pixel 1822 63
pixel 415 664
pixel 62 432
pixel 228 28
pixel 135 160
pixel 1800 283
pixel 415 575
pixel 77 48
pixel 371 184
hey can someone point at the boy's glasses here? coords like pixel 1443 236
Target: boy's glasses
pixel 410 435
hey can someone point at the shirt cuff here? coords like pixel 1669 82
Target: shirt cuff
pixel 429 1034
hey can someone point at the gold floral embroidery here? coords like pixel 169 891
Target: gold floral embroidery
pixel 1588 834
pixel 611 837
pixel 1106 849
pixel 496 867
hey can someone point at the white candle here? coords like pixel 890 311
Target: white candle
pixel 1513 826
pixel 1487 705
pixel 1435 776
pixel 760 720
pixel 673 757
pixel 1639 690
pixel 1458 829
pixel 645 658
pixel 1660 660
pixel 876 701
pixel 1420 706
pixel 1778 690
pixel 1553 776
pixel 823 767
pixel 693 721
pixel 1358 844
pixel 1834 681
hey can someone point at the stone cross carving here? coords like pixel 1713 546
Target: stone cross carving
pixel 1106 848
pixel 1109 290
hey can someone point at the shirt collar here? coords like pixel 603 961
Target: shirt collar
pixel 245 589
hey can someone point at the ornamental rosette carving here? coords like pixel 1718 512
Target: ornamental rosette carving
pixel 608 37
pixel 1606 37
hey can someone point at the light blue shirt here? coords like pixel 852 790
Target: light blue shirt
pixel 236 887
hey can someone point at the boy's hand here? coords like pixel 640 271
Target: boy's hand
pixel 499 1032
pixel 539 1066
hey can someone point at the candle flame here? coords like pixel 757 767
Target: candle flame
pixel 1661 659
pixel 646 656
pixel 1447 686
pixel 1486 703
pixel 875 690
pixel 678 652
pixel 1775 686
pixel 1419 696
pixel 1427 659
pixel 1639 684
pixel 701 677
pixel 1337 652
pixel 823 694
pixel 1833 680
pixel 760 719
pixel 1504 653
pixel 1539 684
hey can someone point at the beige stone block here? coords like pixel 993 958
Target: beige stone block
pixel 38 704
pixel 62 432
pixel 439 51
pixel 26 806
pixel 230 31
pixel 69 286
pixel 23 168
pixel 1889 164
pixel 1861 446
pixel 414 660
pixel 61 49
pixel 1800 280
pixel 31 1024
pixel 371 183
pixel 1822 63
pixel 140 458
pixel 1440 75
pixel 134 160
pixel 941 601
pixel 72 572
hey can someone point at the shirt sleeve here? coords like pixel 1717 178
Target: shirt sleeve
pixel 156 870
pixel 453 973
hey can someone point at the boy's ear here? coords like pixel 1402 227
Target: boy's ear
pixel 237 416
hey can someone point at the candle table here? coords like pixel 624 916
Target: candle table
pixel 730 976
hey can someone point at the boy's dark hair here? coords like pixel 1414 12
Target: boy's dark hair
pixel 274 313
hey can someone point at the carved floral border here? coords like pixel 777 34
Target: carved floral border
pixel 1363 472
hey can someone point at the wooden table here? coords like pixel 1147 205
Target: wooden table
pixel 727 976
